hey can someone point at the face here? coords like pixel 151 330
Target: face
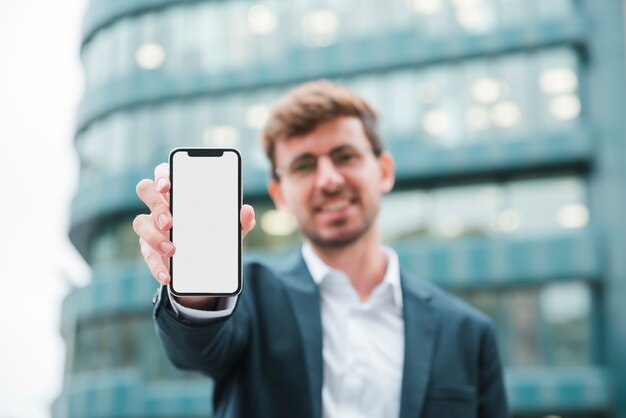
pixel 336 200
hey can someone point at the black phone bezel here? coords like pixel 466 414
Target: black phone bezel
pixel 206 152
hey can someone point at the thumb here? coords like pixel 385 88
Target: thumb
pixel 246 217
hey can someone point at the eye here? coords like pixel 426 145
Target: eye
pixel 303 166
pixel 345 156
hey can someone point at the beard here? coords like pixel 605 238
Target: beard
pixel 340 239
pixel 343 240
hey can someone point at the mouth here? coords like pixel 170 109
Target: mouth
pixel 335 205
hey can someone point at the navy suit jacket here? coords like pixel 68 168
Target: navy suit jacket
pixel 266 358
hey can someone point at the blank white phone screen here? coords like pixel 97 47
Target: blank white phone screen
pixel 205 228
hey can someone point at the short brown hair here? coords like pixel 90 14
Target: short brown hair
pixel 305 106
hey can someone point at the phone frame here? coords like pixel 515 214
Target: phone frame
pixel 207 152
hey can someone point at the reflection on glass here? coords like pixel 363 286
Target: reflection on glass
pixel 405 215
pixel 508 220
pixel 278 223
pixel 436 122
pixel 150 56
pixel 320 27
pixel 220 136
pixel 441 106
pixel 428 93
pixel 565 107
pixel 539 201
pixel 425 7
pixel 256 116
pixel 573 216
pixel 558 80
pixel 486 90
pixel 448 226
pixel 567 309
pixel 467 211
pixel 277 230
pixel 216 36
pixel 261 20
pixel 564 302
pixel 476 16
pixel 477 118
pixel 505 114
pixel 521 208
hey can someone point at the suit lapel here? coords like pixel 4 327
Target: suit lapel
pixel 421 325
pixel 305 302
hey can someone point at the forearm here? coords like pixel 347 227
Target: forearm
pixel 212 347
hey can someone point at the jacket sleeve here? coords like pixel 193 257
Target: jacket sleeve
pixel 492 401
pixel 211 348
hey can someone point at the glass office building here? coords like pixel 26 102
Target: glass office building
pixel 506 121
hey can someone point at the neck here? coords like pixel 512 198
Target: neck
pixel 363 261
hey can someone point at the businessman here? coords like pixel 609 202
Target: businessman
pixel 340 330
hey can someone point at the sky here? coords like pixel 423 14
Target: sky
pixel 41 84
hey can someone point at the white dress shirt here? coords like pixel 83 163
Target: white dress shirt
pixel 363 342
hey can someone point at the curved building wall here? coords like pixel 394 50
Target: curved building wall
pixel 490 108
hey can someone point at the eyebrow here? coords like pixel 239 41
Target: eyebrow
pixel 332 151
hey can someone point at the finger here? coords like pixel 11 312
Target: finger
pixel 162 177
pixel 156 203
pixel 144 227
pixel 246 217
pixel 155 263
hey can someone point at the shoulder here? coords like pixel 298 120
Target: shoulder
pixel 267 265
pixel 451 308
pixel 459 323
pixel 273 270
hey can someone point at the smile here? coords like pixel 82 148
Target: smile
pixel 336 205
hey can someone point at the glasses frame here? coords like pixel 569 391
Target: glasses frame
pixel 284 169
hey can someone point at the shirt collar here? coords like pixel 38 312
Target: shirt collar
pixel 319 270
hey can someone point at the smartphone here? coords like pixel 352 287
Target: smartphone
pixel 205 200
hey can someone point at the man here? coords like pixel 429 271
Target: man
pixel 340 331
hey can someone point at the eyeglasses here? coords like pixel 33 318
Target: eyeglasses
pixel 304 166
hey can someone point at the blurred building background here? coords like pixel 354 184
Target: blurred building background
pixel 506 121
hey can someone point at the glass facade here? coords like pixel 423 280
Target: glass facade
pixel 114 242
pixel 540 326
pixel 498 113
pixel 518 97
pixel 122 342
pixel 215 36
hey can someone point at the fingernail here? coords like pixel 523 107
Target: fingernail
pixel 161 183
pixel 162 277
pixel 163 220
pixel 166 247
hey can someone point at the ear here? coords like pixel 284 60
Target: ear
pixel 273 187
pixel 387 172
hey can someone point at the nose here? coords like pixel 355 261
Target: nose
pixel 327 176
